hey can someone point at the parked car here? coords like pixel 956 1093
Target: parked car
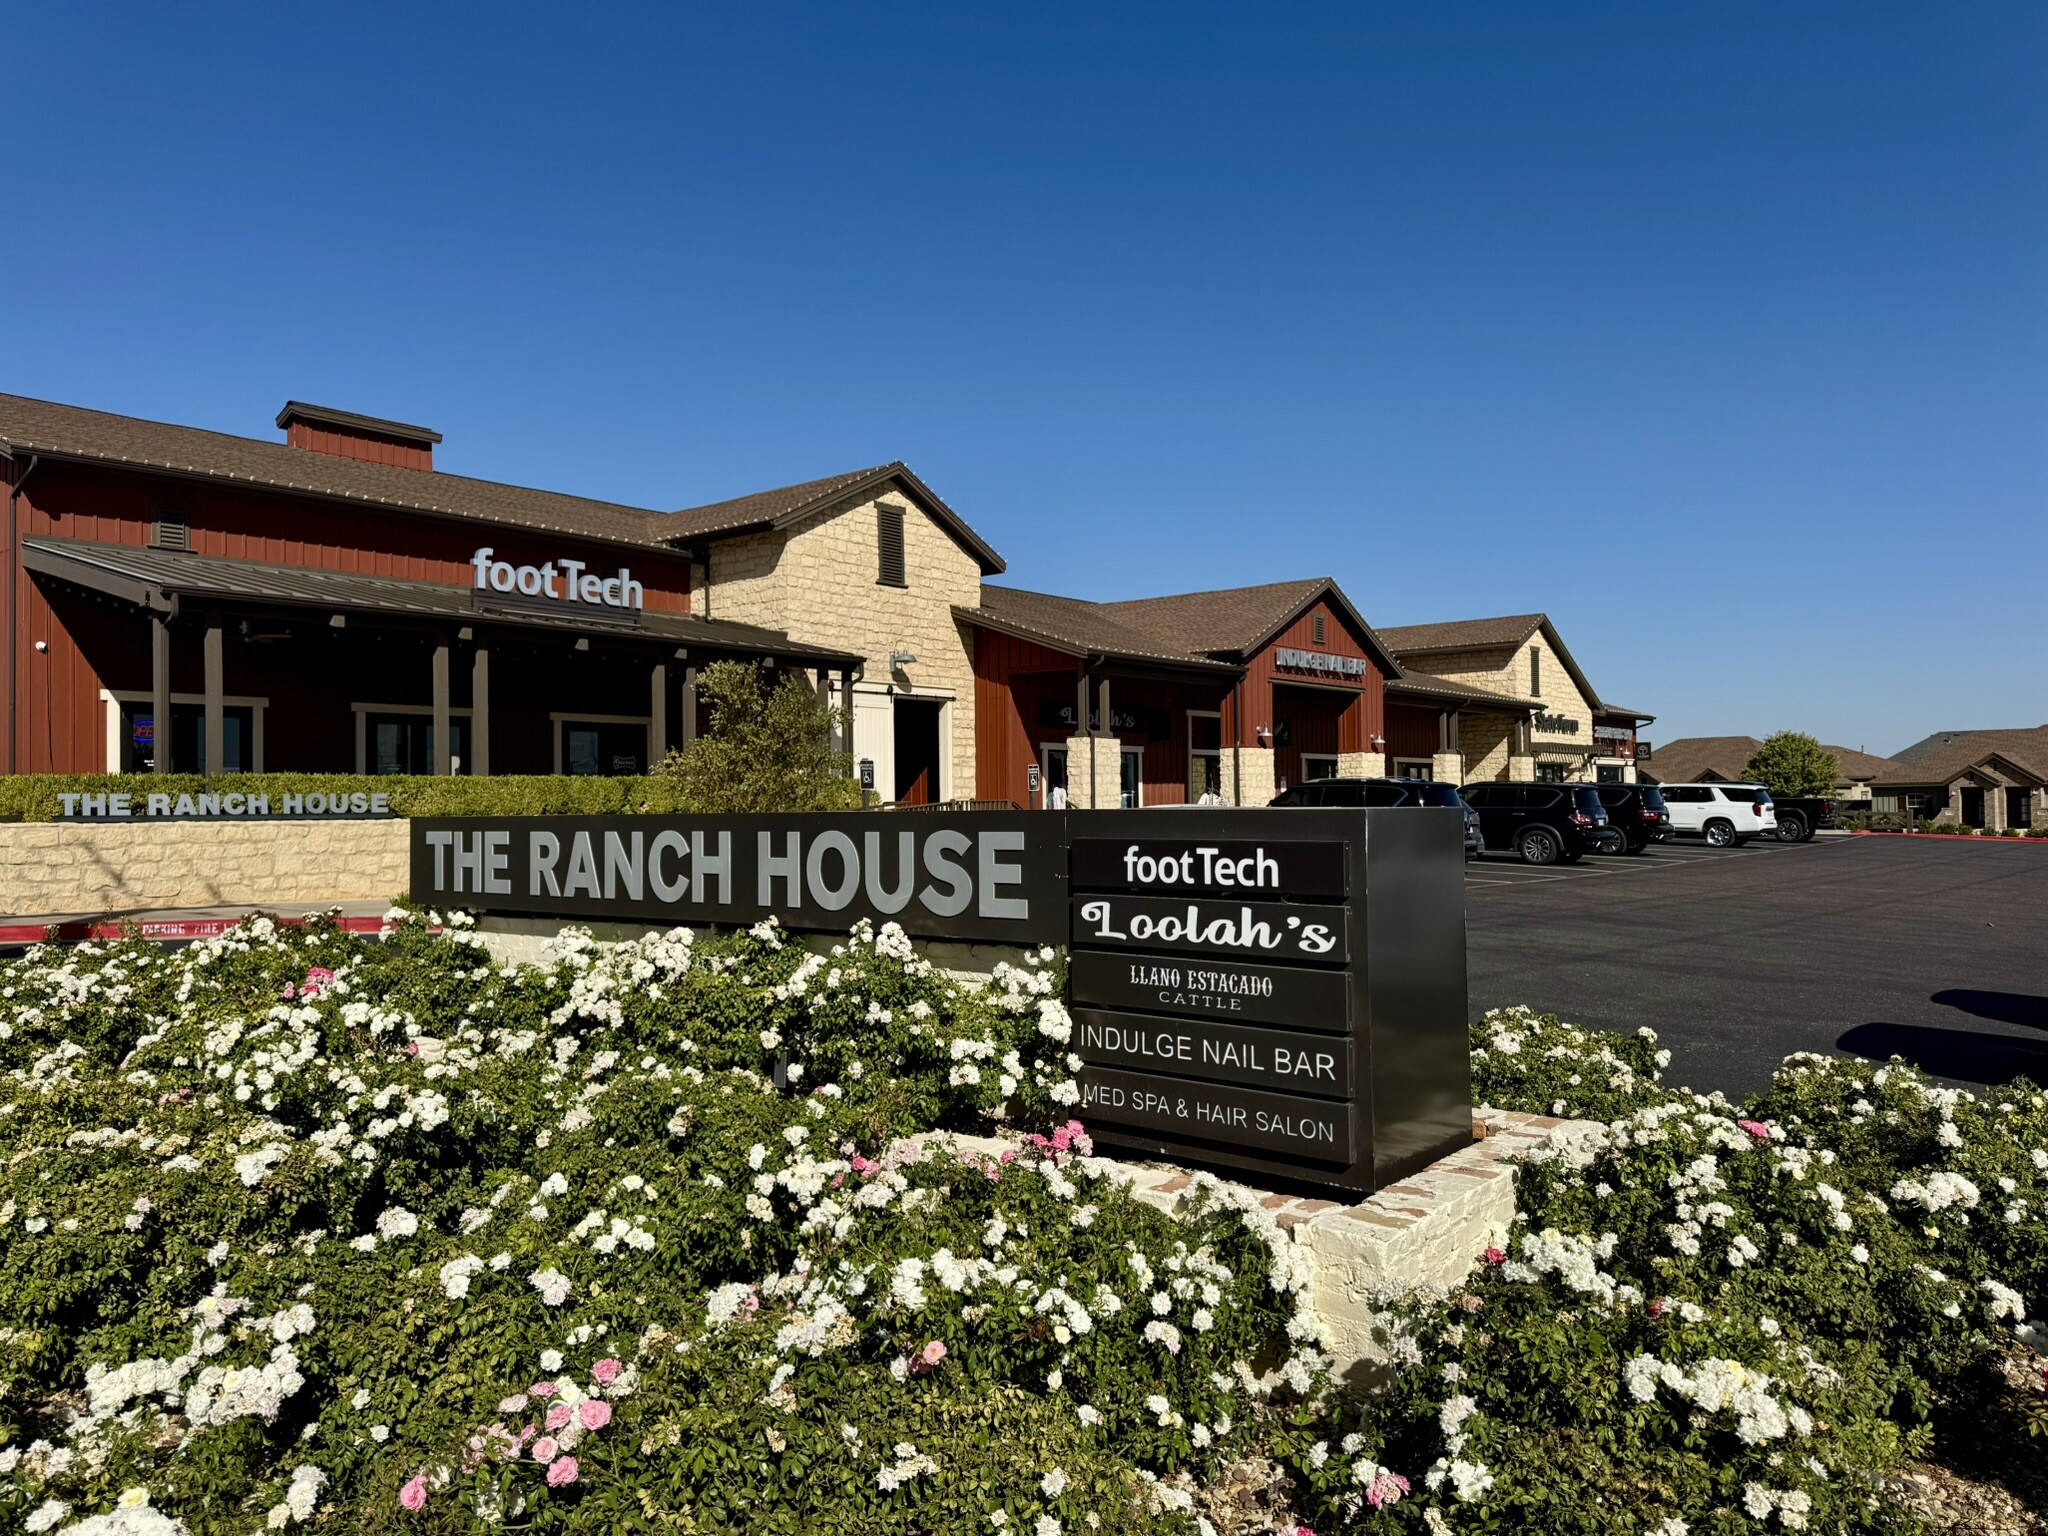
pixel 1724 815
pixel 1800 816
pixel 1328 793
pixel 1543 823
pixel 1636 817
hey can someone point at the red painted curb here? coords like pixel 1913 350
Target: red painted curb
pixel 157 928
pixel 1953 837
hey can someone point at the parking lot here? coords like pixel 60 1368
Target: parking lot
pixel 1933 949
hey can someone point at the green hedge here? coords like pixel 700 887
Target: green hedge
pixel 33 796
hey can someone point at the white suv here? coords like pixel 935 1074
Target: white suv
pixel 1726 815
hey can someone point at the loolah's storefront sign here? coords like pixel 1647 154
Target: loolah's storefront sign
pixel 1282 992
pixel 564 581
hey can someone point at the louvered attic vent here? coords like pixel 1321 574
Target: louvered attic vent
pixel 170 533
pixel 890 540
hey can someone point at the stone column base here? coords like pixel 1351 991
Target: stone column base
pixel 1447 767
pixel 1248 775
pixel 1361 765
pixel 1094 773
pixel 1521 769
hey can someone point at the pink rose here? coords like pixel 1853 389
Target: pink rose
pixel 516 1403
pixel 1495 1256
pixel 606 1372
pixel 594 1413
pixel 414 1494
pixel 563 1471
pixel 559 1414
pixel 864 1165
pixel 317 980
pixel 545 1448
pixel 1755 1128
pixel 934 1352
pixel 543 1389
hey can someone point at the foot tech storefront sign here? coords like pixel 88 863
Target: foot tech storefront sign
pixel 1282 993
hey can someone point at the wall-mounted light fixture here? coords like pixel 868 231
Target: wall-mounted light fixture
pixel 898 660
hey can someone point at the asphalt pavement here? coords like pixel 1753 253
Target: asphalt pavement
pixel 1931 949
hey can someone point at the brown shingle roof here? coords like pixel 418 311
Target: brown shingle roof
pixel 1220 627
pixel 1463 634
pixel 100 437
pixel 1692 757
pixel 1947 755
pixel 1852 766
pixel 1072 624
pixel 791 503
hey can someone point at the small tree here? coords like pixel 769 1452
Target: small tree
pixel 763 750
pixel 1791 763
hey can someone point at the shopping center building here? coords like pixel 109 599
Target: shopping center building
pixel 330 601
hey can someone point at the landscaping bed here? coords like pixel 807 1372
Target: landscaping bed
pixel 299 1227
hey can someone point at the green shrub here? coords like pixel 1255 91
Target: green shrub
pixel 33 796
pixel 764 751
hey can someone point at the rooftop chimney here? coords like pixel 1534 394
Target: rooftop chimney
pixel 349 436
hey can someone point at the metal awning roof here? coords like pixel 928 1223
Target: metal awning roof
pixel 164 580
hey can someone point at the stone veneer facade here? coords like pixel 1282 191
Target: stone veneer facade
pixel 817 581
pixel 1487 740
pixel 49 867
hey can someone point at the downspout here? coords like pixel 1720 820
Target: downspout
pixel 14 600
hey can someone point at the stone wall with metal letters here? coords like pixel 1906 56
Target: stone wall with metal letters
pixel 1281 993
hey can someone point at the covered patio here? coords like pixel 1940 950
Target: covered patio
pixel 215 665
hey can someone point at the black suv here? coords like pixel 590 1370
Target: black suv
pixel 1544 823
pixel 1636 816
pixel 1348 793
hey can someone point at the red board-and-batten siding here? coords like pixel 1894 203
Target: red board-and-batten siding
pixel 60 720
pixel 1337 714
pixel 359 444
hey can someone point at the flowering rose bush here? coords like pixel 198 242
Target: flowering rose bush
pixel 296 1226
pixel 1709 1317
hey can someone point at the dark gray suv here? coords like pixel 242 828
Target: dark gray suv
pixel 1544 823
pixel 1333 793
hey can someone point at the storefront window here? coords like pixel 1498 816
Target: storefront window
pixel 1133 779
pixel 1610 773
pixel 1318 766
pixel 404 743
pixel 1549 773
pixel 604 747
pixel 188 738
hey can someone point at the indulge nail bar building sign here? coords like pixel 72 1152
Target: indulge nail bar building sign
pixel 1279 993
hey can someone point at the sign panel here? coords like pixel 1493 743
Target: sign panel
pixel 1210 926
pixel 1286 1006
pixel 1285 1060
pixel 1319 661
pixel 1236 991
pixel 1303 1130
pixel 558 581
pixel 993 875
pixel 1274 869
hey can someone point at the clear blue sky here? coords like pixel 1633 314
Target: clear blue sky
pixel 1718 332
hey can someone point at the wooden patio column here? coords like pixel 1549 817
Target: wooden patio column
pixel 443 748
pixel 160 690
pixel 480 711
pixel 216 715
pixel 657 716
pixel 689 717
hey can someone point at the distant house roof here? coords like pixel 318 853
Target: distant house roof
pixel 1700 757
pixel 1854 767
pixel 1210 629
pixel 70 432
pixel 1946 756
